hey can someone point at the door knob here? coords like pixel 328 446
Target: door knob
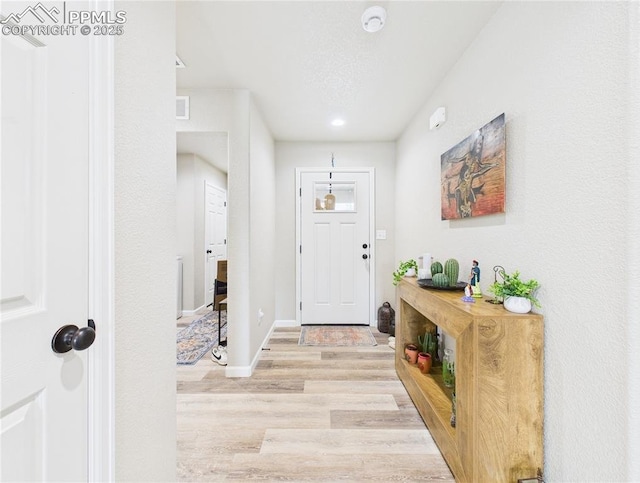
pixel 365 256
pixel 71 337
pixel 365 246
pixel 208 251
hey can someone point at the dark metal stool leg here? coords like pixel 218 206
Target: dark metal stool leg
pixel 220 342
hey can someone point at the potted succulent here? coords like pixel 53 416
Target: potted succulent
pixel 428 345
pixel 405 269
pixel 517 294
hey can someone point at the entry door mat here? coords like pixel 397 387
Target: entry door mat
pixel 336 336
pixel 199 337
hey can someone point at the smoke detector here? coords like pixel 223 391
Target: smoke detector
pixel 373 19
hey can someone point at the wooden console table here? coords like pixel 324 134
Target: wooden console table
pixel 499 383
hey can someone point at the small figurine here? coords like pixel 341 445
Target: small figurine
pixel 474 280
pixel 474 277
pixel 468 294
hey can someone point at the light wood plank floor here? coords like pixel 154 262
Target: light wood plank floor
pixel 307 414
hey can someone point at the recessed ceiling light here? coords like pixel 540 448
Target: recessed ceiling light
pixel 373 19
pixel 337 122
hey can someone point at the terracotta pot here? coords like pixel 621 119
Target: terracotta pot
pixel 406 350
pixel 411 352
pixel 424 362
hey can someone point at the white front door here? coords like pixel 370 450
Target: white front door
pixel 44 137
pixel 215 201
pixel 335 247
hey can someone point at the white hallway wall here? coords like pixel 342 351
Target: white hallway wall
pixel 560 72
pixel 262 222
pixel 289 156
pixel 192 173
pixel 145 244
pixel 632 254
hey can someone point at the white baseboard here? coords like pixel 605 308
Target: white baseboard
pixel 286 323
pixel 238 371
pixel 188 313
pixel 247 371
pixel 294 323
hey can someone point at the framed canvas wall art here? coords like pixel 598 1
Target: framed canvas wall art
pixel 473 173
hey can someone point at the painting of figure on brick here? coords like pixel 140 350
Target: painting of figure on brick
pixel 473 173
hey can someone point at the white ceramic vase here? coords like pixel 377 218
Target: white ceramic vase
pixel 518 305
pixel 411 272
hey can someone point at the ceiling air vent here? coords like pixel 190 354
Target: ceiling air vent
pixel 182 107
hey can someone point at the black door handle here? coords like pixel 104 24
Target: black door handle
pixel 71 337
pixel 365 246
pixel 365 256
pixel 208 251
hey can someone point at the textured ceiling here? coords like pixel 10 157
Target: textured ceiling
pixel 306 62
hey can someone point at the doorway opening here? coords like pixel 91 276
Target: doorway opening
pixel 202 165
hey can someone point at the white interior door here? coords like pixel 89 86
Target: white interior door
pixel 44 225
pixel 335 247
pixel 215 200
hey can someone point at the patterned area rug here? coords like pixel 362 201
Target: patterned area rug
pixel 199 337
pixel 336 335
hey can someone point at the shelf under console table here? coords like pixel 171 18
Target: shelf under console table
pixel 499 383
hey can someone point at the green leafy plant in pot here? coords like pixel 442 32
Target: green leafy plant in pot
pixel 517 294
pixel 402 270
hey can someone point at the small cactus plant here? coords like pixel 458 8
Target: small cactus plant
pixel 440 280
pixel 451 270
pixel 425 341
pixel 436 267
pixel 429 344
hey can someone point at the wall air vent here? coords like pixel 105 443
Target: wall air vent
pixel 182 107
